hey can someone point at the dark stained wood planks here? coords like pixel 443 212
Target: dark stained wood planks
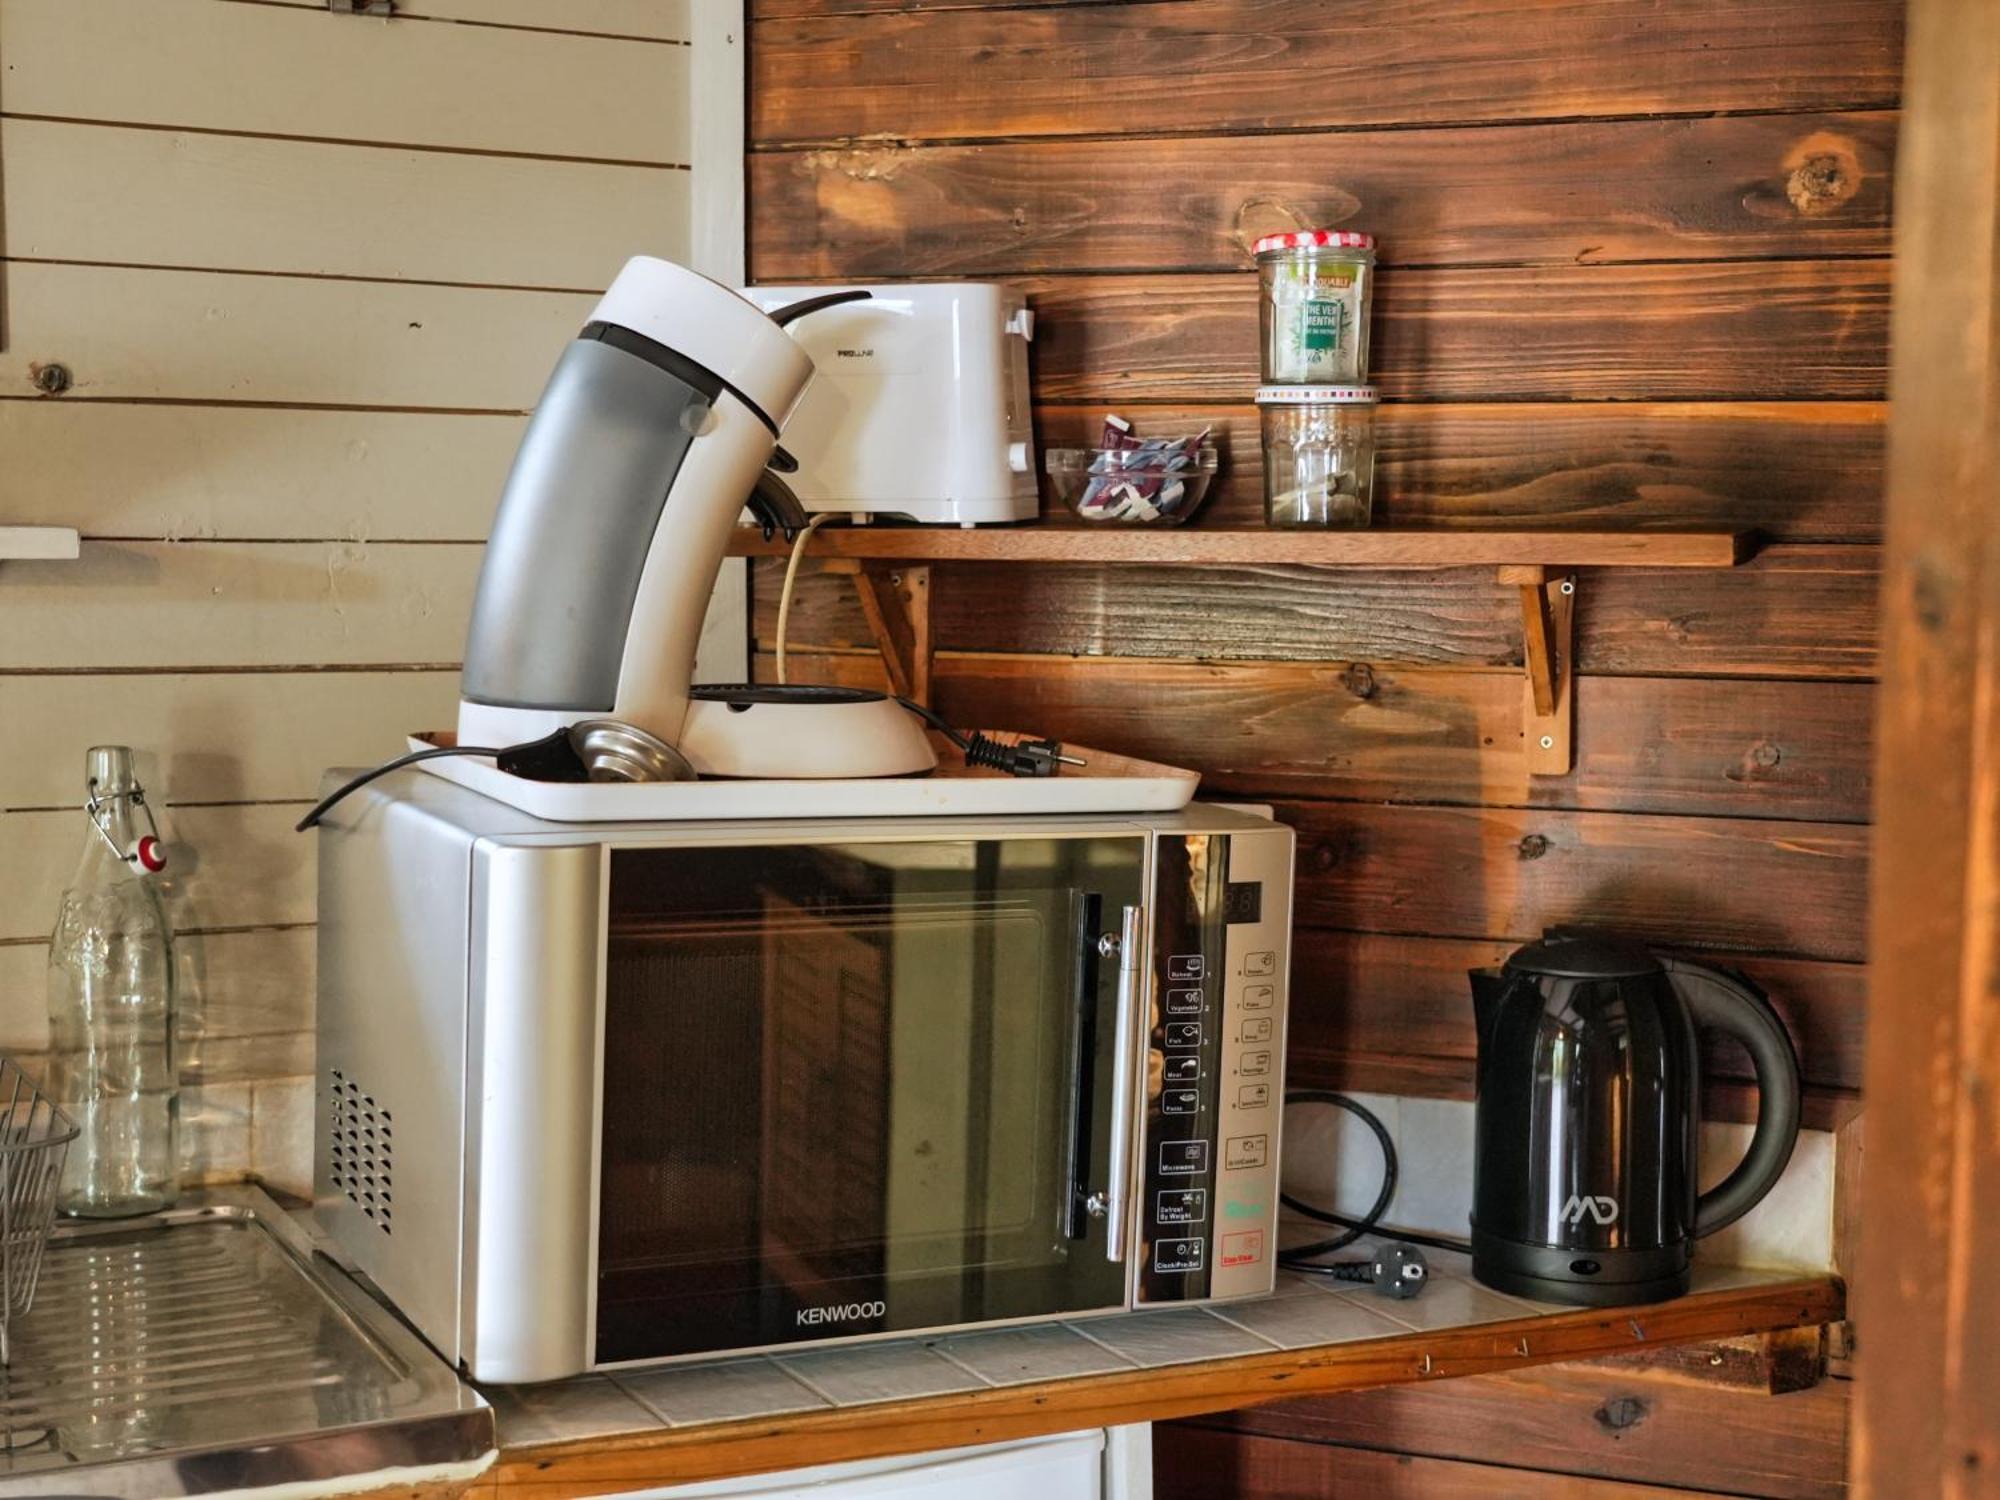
pixel 1200 1463
pixel 1361 993
pixel 1791 612
pixel 1260 64
pixel 1701 331
pixel 1797 471
pixel 1770 185
pixel 1607 1419
pixel 1351 731
pixel 1753 885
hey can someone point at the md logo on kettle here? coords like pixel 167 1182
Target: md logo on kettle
pixel 1603 1210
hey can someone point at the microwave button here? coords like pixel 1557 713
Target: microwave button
pixel 1183 1036
pixel 1175 1256
pixel 1181 1101
pixel 1180 1206
pixel 1265 962
pixel 1243 1249
pixel 1183 1002
pixel 1254 1064
pixel 1258 1030
pixel 1187 1069
pixel 1246 1151
pixel 1187 966
pixel 1253 1096
pixel 1183 1158
pixel 1259 997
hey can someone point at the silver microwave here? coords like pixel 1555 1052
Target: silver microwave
pixel 592 1095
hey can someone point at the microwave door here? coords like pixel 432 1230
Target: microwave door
pixel 856 1089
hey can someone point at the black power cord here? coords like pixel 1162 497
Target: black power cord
pixel 1022 758
pixel 1397 1270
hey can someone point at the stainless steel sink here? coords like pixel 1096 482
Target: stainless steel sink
pixel 210 1348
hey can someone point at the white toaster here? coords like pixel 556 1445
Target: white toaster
pixel 920 404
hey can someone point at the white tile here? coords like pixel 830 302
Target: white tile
pixel 1172 1338
pixel 1047 1351
pixel 879 1372
pixel 724 1391
pixel 1446 1302
pixel 1330 1158
pixel 281 1134
pixel 564 1411
pixel 1792 1228
pixel 1308 1322
pixel 1434 1141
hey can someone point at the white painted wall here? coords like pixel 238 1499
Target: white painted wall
pixel 309 272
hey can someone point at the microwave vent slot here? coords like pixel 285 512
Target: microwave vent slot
pixel 361 1149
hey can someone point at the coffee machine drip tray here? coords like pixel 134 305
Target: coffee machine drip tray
pixel 1105 783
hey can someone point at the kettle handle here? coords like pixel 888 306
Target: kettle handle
pixel 1729 1002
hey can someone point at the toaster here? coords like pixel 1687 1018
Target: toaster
pixel 920 405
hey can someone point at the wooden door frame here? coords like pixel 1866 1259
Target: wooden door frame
pixel 1927 1284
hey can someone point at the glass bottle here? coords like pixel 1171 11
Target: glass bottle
pixel 111 1064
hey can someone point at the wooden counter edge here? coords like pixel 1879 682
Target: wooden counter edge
pixel 629 1461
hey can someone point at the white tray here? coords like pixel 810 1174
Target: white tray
pixel 1108 783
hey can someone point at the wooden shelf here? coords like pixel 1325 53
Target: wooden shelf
pixel 657 1454
pixel 1355 549
pixel 891 566
pixel 38 543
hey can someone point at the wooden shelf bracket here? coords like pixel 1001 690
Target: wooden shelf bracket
pixel 1548 707
pixel 896 602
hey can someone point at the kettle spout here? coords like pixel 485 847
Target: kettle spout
pixel 1487 987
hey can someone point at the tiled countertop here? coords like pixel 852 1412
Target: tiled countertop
pixel 771 1411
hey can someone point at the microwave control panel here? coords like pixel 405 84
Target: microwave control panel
pixel 1208 1206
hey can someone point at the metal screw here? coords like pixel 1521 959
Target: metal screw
pixel 52 379
pixel 1108 945
pixel 1569 585
pixel 1548 742
pixel 1097 1205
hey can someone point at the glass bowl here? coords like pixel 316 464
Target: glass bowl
pixel 1132 486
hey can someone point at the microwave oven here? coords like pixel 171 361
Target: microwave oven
pixel 592 1095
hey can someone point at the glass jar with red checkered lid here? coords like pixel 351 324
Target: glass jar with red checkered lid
pixel 1313 312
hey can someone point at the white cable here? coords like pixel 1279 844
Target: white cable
pixel 791 576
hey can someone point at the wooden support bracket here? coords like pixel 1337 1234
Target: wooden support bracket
pixel 1548 710
pixel 896 601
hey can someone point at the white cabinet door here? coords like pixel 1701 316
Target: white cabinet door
pixel 1069 1467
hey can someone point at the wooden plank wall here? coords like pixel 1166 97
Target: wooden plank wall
pixel 1636 269
pixel 308 272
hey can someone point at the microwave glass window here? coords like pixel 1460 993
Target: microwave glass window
pixel 855 1088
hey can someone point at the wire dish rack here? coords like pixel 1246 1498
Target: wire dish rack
pixel 34 1143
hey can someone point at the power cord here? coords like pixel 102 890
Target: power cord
pixel 791 577
pixel 1397 1270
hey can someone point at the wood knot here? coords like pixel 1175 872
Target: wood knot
pixel 1359 679
pixel 1621 1413
pixel 1765 756
pixel 1823 172
pixel 1532 846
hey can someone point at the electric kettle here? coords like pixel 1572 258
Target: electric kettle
pixel 1588 1115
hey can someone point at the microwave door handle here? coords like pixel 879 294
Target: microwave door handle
pixel 1127 1077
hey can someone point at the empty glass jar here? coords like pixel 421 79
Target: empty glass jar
pixel 1319 454
pixel 1313 310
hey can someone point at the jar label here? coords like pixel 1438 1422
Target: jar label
pixel 1319 325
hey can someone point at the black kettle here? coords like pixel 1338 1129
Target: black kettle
pixel 1584 1165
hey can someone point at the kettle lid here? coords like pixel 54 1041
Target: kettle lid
pixel 1583 953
